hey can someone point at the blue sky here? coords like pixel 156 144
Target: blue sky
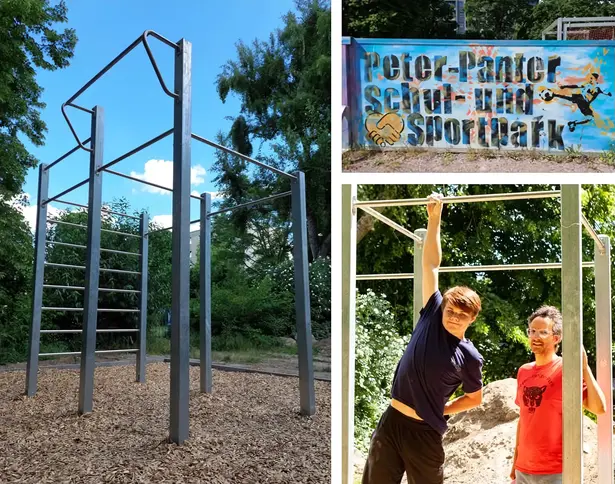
pixel 136 108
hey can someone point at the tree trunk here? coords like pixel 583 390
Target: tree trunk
pixel 312 235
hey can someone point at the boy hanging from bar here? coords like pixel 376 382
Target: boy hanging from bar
pixel 437 360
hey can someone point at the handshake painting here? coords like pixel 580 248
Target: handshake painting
pixel 384 129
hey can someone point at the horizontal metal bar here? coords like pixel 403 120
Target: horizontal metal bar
pixel 67 154
pixel 55 286
pixel 487 268
pixel 593 234
pixel 72 353
pixel 65 244
pixel 462 199
pixel 118 310
pixel 121 252
pixel 49 200
pixel 117 173
pixel 128 350
pixel 255 202
pixel 110 289
pixel 244 157
pixel 65 266
pixel 579 25
pixel 119 271
pixel 136 150
pixel 67 353
pixel 44 308
pixel 104 209
pixel 84 247
pixel 169 228
pixel 62 222
pixel 62 331
pixel 100 289
pixel 121 233
pixel 390 223
pixel 585 19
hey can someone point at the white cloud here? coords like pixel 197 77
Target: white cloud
pixel 163 221
pixel 160 172
pixel 30 211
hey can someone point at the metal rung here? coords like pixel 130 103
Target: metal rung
pixel 116 310
pixel 74 353
pixel 54 286
pixel 67 266
pixel 68 353
pixel 47 308
pixel 66 244
pixel 62 331
pixel 61 222
pixel 85 247
pixel 120 252
pixel 119 271
pixel 109 289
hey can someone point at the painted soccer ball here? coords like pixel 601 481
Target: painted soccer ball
pixel 546 95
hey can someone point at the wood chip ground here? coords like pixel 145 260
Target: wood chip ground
pixel 249 430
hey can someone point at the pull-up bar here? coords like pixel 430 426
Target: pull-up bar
pixel 486 268
pixel 117 173
pixel 104 209
pixel 461 199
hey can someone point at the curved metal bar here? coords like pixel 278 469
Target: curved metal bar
pixel 244 157
pixel 153 61
pixel 65 155
pixel 89 150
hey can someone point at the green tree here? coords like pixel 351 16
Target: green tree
pixel 520 231
pixel 398 19
pixel 284 85
pixel 495 19
pixel 547 11
pixel 27 41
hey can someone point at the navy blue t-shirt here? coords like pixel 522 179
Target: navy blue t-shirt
pixel 433 366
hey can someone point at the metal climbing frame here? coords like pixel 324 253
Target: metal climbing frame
pixel 180 341
pixel 572 265
pixel 561 27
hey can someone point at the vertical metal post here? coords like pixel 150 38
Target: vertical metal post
pixel 39 275
pixel 302 295
pixel 179 421
pixel 604 358
pixel 142 356
pixel 92 265
pixel 205 294
pixel 572 312
pixel 417 301
pixel 559 28
pixel 349 243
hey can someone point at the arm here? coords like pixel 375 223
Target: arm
pixel 595 401
pixel 572 86
pixel 464 402
pixel 432 251
pixel 512 472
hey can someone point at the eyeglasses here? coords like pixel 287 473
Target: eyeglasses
pixel 543 333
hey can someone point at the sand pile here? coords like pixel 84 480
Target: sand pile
pixel 479 444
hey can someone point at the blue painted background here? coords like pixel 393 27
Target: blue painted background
pixel 566 100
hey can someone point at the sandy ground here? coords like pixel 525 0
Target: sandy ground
pixel 479 444
pixel 410 161
pixel 248 430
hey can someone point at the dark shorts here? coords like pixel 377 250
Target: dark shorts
pixel 402 444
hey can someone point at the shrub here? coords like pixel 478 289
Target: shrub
pixel 378 348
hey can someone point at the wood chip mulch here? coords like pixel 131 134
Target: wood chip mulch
pixel 248 430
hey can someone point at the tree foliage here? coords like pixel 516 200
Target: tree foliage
pixel 398 19
pixel 28 40
pixel 523 231
pixel 495 19
pixel 284 85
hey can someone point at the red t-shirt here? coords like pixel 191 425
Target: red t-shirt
pixel 539 396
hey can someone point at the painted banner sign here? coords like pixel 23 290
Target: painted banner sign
pixel 545 95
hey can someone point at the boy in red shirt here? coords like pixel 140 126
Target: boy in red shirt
pixel 538 450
